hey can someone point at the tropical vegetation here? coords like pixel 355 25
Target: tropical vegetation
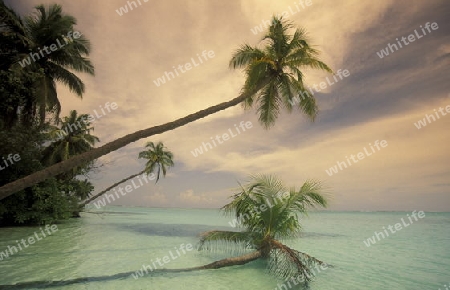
pixel 30 110
pixel 57 197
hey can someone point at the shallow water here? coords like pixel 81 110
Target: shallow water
pixel 122 240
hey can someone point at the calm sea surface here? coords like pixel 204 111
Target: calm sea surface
pixel 104 248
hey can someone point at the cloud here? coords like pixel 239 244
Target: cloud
pixel 191 199
pixel 156 199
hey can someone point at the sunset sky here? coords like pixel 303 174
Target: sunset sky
pixel 380 99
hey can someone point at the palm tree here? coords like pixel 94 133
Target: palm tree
pixel 13 37
pixel 48 27
pixel 34 35
pixel 156 156
pixel 74 137
pixel 15 94
pixel 267 212
pixel 273 80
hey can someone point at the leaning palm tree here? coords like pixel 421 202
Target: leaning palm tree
pixel 157 156
pixel 274 80
pixel 267 212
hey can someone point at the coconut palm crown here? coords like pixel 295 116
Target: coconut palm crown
pixel 49 26
pixel 74 137
pixel 273 72
pixel 157 156
pixel 267 212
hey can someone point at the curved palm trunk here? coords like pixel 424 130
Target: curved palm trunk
pixel 215 265
pixel 111 187
pixel 34 178
pixel 228 262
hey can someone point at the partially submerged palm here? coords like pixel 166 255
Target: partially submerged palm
pixel 268 212
pixel 273 72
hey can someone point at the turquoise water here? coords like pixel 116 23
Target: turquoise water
pixel 122 240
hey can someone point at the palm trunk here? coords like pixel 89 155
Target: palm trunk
pixel 241 260
pixel 111 187
pixel 228 262
pixel 58 168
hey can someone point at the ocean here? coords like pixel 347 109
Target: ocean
pixel 117 248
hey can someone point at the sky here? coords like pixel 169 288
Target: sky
pixel 379 100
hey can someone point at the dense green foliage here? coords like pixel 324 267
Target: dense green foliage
pixel 29 116
pixel 56 198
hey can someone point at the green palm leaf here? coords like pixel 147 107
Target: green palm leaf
pixel 277 66
pixel 158 158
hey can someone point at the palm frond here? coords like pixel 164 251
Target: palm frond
pixel 310 195
pixel 269 106
pixel 244 56
pixel 287 263
pixel 68 78
pixel 226 241
pixel 256 73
